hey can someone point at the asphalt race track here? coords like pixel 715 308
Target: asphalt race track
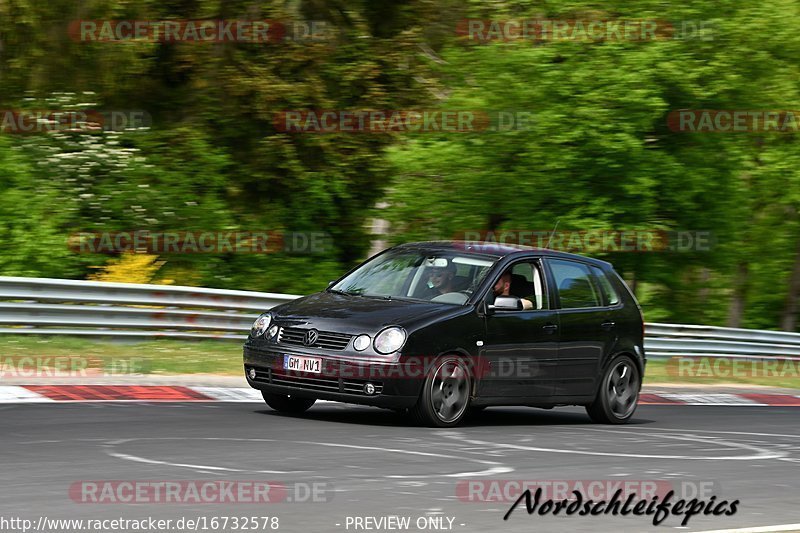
pixel 374 463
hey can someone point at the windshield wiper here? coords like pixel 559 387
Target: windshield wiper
pixel 337 291
pixel 390 297
pixel 401 298
pixel 387 297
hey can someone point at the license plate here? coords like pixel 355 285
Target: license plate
pixel 302 364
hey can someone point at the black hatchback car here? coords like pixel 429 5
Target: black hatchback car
pixel 442 329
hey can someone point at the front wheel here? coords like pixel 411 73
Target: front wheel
pixel 287 404
pixel 445 394
pixel 618 394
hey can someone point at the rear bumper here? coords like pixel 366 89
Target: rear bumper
pixel 340 380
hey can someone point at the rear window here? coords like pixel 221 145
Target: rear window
pixel 611 295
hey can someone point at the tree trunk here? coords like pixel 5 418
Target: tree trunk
pixel 494 221
pixel 703 278
pixel 789 316
pixel 736 309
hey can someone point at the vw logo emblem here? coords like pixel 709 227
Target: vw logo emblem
pixel 311 337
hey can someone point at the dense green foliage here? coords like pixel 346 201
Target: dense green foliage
pixel 599 154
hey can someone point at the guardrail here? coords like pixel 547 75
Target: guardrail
pixel 126 310
pixel 671 340
pixel 54 306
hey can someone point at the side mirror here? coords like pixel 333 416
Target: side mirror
pixel 330 283
pixel 506 303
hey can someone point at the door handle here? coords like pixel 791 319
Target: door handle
pixel 550 328
pixel 608 325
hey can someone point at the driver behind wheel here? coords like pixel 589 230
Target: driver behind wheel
pixel 440 280
pixel 503 288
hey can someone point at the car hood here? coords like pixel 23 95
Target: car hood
pixel 346 313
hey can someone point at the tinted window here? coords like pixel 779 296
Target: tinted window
pixel 605 285
pixel 574 284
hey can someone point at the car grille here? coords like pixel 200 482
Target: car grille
pixel 318 383
pixel 327 339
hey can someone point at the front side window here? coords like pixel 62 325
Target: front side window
pixel 574 284
pixel 526 283
pixel 418 275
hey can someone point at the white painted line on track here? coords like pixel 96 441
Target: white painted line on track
pixel 711 399
pixel 762 529
pixel 693 430
pixel 759 453
pixel 231 394
pixel 137 459
pixel 495 468
pixel 17 394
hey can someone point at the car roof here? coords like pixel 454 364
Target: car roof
pixel 497 250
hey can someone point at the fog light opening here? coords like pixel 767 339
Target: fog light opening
pixel 369 389
pixel 252 373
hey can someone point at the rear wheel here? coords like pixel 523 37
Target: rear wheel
pixel 445 394
pixel 618 394
pixel 287 404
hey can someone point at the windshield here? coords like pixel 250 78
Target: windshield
pixel 418 275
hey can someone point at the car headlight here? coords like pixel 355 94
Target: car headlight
pixel 390 340
pixel 260 325
pixel 361 342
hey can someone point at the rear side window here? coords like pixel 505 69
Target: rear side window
pixel 612 297
pixel 574 284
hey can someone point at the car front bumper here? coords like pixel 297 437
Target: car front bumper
pixel 342 380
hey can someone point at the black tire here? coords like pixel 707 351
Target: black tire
pixel 444 399
pixel 618 393
pixel 284 403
